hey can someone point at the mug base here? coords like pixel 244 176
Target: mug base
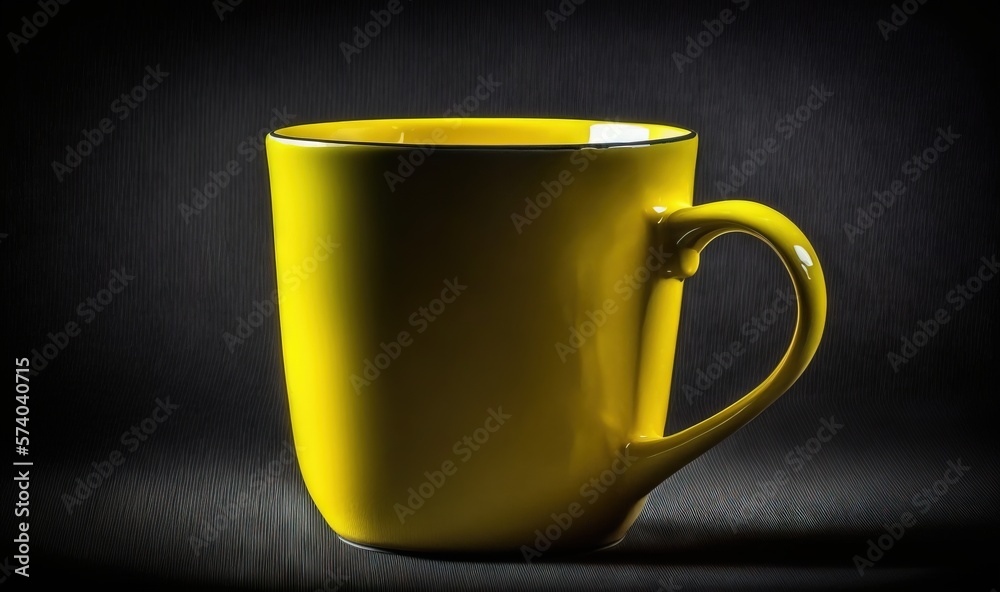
pixel 475 554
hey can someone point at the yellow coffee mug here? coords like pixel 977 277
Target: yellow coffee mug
pixel 479 318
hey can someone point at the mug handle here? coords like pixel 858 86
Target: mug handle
pixel 687 231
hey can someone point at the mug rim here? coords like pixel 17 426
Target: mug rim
pixel 310 134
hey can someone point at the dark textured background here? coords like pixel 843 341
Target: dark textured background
pixel 710 526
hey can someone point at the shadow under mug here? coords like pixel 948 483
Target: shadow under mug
pixel 479 319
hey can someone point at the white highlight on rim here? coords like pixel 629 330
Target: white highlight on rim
pixel 306 143
pixel 617 133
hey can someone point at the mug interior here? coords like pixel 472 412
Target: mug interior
pixel 469 132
